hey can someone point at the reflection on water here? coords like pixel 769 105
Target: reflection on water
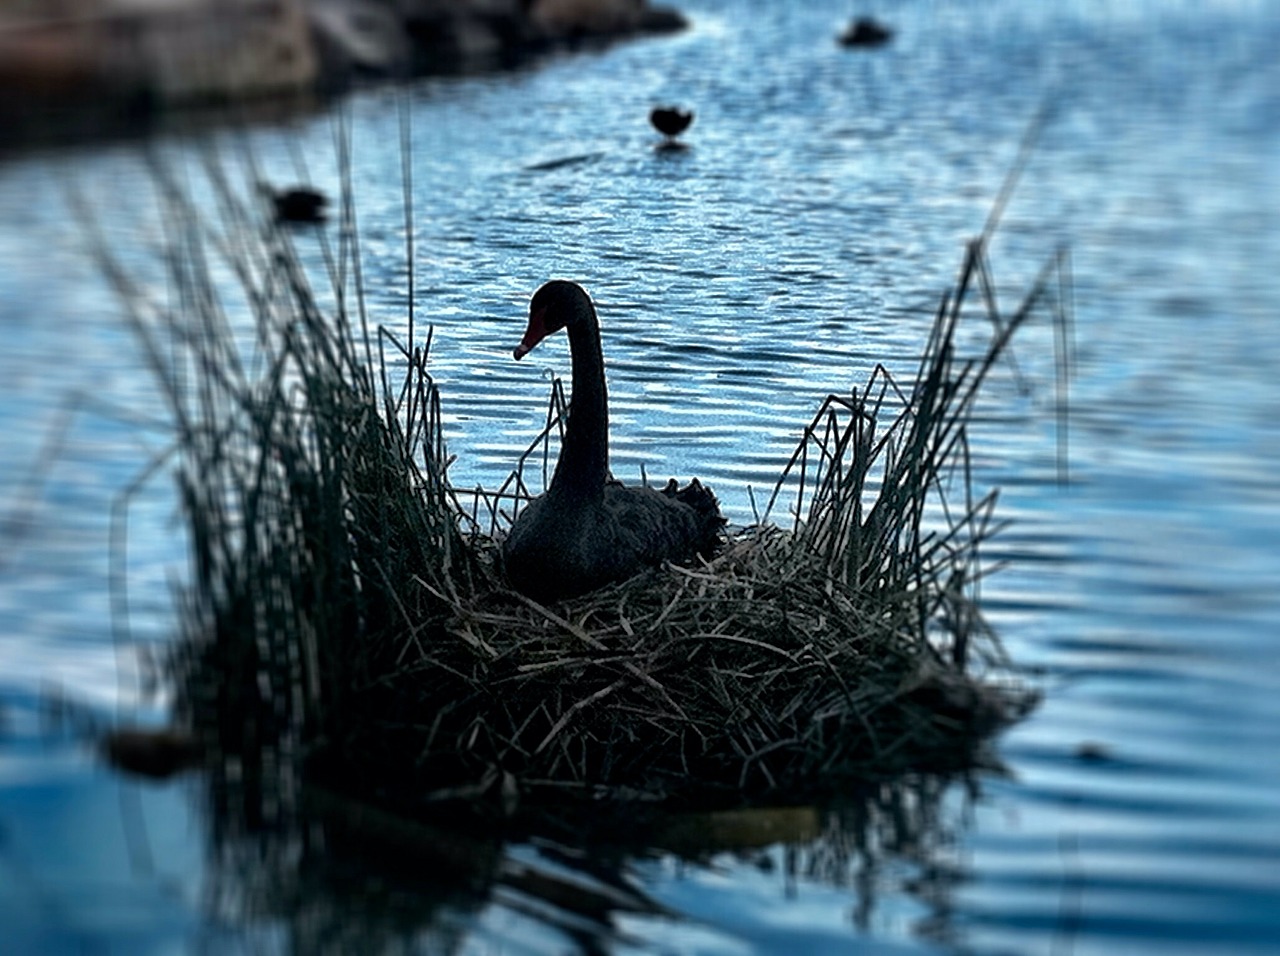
pixel 290 867
pixel 328 872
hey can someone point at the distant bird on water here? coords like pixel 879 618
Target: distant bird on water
pixel 670 121
pixel 297 204
pixel 865 31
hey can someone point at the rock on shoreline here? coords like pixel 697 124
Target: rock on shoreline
pixel 108 62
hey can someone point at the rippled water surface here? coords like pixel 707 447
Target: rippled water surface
pixel 804 235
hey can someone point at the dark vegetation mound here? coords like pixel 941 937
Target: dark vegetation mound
pixel 344 622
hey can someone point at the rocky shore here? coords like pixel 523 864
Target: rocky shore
pixel 73 67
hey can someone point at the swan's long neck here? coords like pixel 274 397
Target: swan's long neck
pixel 583 466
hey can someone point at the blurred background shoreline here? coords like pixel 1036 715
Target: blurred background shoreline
pixel 80 69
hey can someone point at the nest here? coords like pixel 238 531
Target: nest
pixel 753 674
pixel 344 616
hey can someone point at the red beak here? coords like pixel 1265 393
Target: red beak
pixel 535 333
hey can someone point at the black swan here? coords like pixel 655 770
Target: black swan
pixel 588 530
pixel 670 121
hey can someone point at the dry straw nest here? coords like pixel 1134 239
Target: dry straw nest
pixel 344 615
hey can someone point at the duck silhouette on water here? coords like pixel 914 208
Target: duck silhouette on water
pixel 865 32
pixel 300 205
pixel 670 121
pixel 588 530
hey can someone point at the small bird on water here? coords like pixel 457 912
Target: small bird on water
pixel 865 31
pixel 670 121
pixel 297 204
pixel 588 530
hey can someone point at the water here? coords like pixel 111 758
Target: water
pixel 804 235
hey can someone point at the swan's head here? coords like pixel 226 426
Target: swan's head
pixel 557 304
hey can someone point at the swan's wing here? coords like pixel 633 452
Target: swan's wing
pixel 647 527
pixel 557 549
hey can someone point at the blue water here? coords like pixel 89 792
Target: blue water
pixel 803 236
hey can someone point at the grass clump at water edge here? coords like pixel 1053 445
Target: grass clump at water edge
pixel 345 615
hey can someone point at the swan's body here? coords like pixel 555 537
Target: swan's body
pixel 588 530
